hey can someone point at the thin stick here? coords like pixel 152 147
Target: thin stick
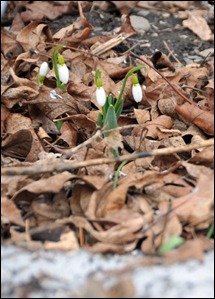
pixel 171 53
pixel 60 166
pixel 69 152
pixel 81 236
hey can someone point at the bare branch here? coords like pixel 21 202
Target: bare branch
pixel 71 165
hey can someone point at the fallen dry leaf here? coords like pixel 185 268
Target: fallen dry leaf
pixel 199 26
pixel 100 204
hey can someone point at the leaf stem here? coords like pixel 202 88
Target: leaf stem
pixel 116 176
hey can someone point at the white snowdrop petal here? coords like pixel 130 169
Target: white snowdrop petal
pixel 63 73
pixel 44 69
pixel 137 92
pixel 100 96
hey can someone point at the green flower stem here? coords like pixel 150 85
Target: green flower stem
pixel 54 61
pixel 104 112
pixel 119 99
pixel 211 231
pixel 116 176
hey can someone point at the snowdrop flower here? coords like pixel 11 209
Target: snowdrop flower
pixel 63 73
pixel 100 92
pixel 43 71
pixel 100 96
pixel 62 70
pixel 136 89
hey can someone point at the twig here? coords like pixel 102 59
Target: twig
pixel 194 88
pixel 60 166
pixel 69 152
pixel 171 53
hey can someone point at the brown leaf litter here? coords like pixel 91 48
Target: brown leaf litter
pixel 61 195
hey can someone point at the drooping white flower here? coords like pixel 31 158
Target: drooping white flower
pixel 137 92
pixel 136 89
pixel 44 69
pixel 100 96
pixel 63 73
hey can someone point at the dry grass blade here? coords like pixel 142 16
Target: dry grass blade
pixel 115 41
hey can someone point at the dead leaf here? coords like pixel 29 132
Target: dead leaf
pixel 199 26
pixel 160 60
pixel 49 185
pixel 67 242
pixel 125 6
pixel 11 213
pixel 18 145
pixel 39 10
pixel 202 119
pixel 196 207
pixel 33 34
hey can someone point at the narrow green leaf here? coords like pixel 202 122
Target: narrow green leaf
pixel 59 124
pixel 116 176
pixel 100 120
pixel 172 243
pixel 119 109
pixel 110 121
pixel 110 100
pixel 105 108
pixel 211 231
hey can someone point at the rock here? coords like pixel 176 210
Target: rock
pixel 140 24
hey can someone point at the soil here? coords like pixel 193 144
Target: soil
pixel 163 27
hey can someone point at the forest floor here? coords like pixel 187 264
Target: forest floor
pixel 75 222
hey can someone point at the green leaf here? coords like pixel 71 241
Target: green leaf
pixel 110 121
pixel 211 232
pixel 100 120
pixel 59 124
pixel 119 109
pixel 105 108
pixel 172 243
pixel 110 100
pixel 116 176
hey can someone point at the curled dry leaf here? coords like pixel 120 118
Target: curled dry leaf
pixel 49 185
pixel 160 61
pixel 33 34
pixel 196 208
pixel 202 119
pixel 9 46
pixel 18 145
pixel 154 126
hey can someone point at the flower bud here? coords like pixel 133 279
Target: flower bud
pixel 100 96
pixel 136 89
pixel 63 73
pixel 44 69
pixel 60 59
